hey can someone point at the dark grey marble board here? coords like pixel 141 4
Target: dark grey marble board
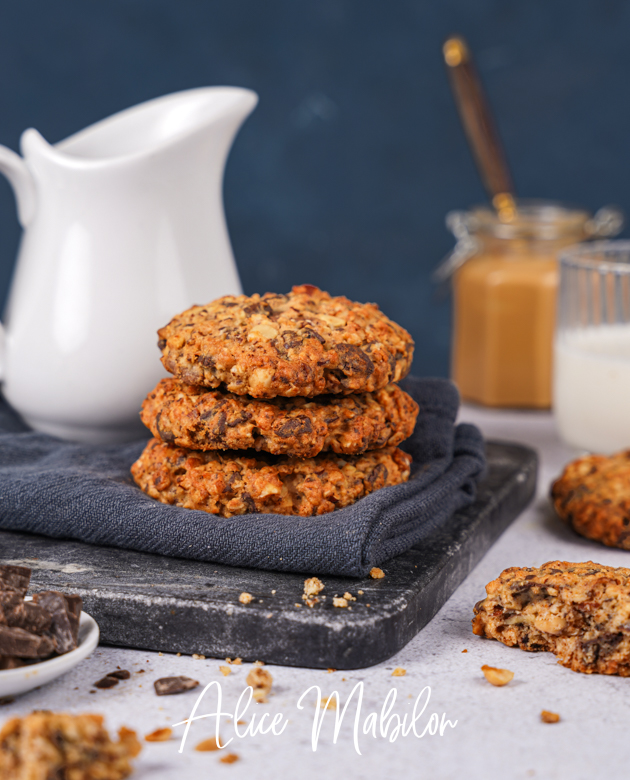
pixel 175 605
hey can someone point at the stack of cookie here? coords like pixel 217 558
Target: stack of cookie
pixel 280 403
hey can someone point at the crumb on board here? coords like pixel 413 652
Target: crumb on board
pixel 330 671
pixel 464 651
pixel 360 592
pixel 159 735
pixel 245 598
pixel 339 602
pixel 498 677
pixel 235 661
pixel 225 670
pixel 376 573
pixel 312 586
pixel 260 680
pixel 298 605
pixel 230 758
pixel 349 597
pixel 549 717
pixel 207 745
pixel 328 703
pixel 399 672
pixel 198 657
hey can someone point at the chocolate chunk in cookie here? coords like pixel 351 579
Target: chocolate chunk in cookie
pixel 305 343
pixel 578 611
pixel 237 483
pixel 593 496
pixel 202 419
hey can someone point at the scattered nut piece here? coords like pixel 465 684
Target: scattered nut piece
pixel 120 674
pixel 225 670
pixel 106 682
pixel 245 598
pixel 260 680
pixel 376 573
pixel 207 744
pixel 339 602
pixel 498 677
pixel 167 686
pixel 549 717
pixel 198 657
pixel 6 700
pixel 313 586
pixel 230 758
pixel 399 672
pixel 159 735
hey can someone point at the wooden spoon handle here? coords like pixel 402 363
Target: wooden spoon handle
pixel 478 122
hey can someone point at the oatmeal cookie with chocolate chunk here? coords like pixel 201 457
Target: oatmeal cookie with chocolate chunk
pixel 578 611
pixel 46 745
pixel 593 496
pixel 201 419
pixel 303 343
pixel 239 483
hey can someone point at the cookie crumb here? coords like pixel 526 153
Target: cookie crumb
pixel 225 670
pixel 159 735
pixel 260 680
pixel 245 598
pixel 399 672
pixel 549 717
pixel 313 586
pixel 464 651
pixel 376 573
pixel 230 758
pixel 298 605
pixel 273 592
pixel 349 597
pixel 206 745
pixel 329 703
pixel 330 671
pixel 360 592
pixel 339 602
pixel 498 677
pixel 198 657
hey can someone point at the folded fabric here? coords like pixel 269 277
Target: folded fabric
pixel 84 492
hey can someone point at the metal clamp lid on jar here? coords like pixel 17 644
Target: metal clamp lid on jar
pixel 535 220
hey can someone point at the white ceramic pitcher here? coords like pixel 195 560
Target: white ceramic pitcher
pixel 123 228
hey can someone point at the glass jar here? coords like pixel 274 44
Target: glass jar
pixel 505 278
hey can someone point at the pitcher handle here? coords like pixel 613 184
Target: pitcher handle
pixel 21 179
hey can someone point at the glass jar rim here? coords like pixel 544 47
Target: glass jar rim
pixel 602 256
pixel 534 219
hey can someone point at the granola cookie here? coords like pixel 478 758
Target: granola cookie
pixel 239 483
pixel 46 745
pixel 303 343
pixel 578 611
pixel 593 496
pixel 201 419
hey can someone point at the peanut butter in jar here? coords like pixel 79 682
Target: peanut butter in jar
pixel 504 303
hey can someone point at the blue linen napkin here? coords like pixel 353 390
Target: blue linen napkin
pixel 85 492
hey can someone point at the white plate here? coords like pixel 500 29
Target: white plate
pixel 25 678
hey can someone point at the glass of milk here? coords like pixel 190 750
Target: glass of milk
pixel 591 384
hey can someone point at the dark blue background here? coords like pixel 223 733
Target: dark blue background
pixel 343 174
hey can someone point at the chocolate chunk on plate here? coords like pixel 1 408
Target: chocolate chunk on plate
pixel 64 625
pixel 106 682
pixel 120 674
pixel 14 578
pixel 29 616
pixel 23 644
pixel 166 686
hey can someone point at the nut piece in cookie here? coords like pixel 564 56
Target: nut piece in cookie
pixel 56 745
pixel 305 343
pixel 578 611
pixel 241 483
pixel 202 419
pixel 593 496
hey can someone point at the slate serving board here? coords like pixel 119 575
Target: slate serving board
pixel 174 605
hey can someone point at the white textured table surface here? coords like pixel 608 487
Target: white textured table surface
pixel 498 732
